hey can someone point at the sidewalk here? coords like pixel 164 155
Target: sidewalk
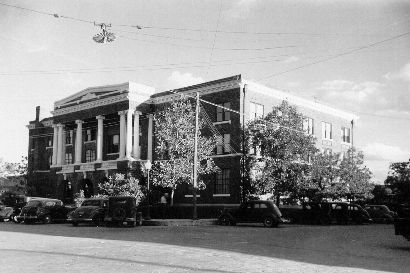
pixel 180 222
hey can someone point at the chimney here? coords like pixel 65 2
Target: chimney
pixel 37 113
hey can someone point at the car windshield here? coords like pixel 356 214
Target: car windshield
pixel 91 203
pixel 34 203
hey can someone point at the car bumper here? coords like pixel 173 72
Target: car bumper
pixel 27 217
pixel 110 219
pixel 79 220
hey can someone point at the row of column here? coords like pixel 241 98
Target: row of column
pixel 126 149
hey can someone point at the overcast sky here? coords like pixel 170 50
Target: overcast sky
pixel 353 55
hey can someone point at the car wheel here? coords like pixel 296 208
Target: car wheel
pixel 269 221
pixel 75 224
pixel 132 223
pixel 47 219
pixel 224 221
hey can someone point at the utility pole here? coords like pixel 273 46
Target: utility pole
pixel 195 176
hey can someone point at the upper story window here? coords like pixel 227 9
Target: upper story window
pixel 50 160
pixel 69 137
pixel 223 114
pixel 308 126
pixel 326 130
pixel 223 144
pixel 68 158
pixel 89 135
pixel 345 134
pixel 256 111
pixel 222 182
pixel 113 144
pixel 89 155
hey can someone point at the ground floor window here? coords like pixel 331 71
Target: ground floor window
pixel 222 181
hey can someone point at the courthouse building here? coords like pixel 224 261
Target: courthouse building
pixel 107 129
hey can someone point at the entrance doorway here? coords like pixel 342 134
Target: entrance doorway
pixel 88 187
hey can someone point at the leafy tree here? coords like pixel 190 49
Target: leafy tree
pixel 398 180
pixel 355 176
pixel 118 184
pixel 324 173
pixel 284 149
pixel 174 132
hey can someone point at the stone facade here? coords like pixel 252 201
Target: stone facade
pixel 102 130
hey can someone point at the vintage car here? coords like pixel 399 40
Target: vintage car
pixel 327 213
pixel 6 213
pixel 255 211
pixel 123 209
pixel 43 210
pixel 380 213
pixel 91 211
pixel 402 223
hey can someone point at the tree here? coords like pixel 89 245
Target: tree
pixel 284 150
pixel 117 184
pixel 174 132
pixel 398 180
pixel 355 176
pixel 324 173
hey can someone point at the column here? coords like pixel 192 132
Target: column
pixel 55 144
pixel 63 146
pixel 122 134
pixel 150 123
pixel 59 142
pixel 129 135
pixel 136 151
pixel 78 141
pixel 100 133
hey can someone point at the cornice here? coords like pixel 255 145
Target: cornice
pixel 299 101
pixel 218 87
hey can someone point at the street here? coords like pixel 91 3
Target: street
pixel 243 248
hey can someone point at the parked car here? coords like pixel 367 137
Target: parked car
pixel 91 211
pixel 123 209
pixel 43 210
pixel 6 213
pixel 402 223
pixel 327 213
pixel 255 211
pixel 380 213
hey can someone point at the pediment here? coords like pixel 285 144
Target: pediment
pixel 91 94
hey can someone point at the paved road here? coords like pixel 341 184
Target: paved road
pixel 290 248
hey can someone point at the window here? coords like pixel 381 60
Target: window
pixel 326 130
pixel 90 135
pixel 308 126
pixel 327 151
pixel 113 144
pixel 223 144
pixel 68 158
pixel 256 111
pixel 222 182
pixel 89 155
pixel 222 114
pixel 345 133
pixel 50 160
pixel 69 137
pixel 50 141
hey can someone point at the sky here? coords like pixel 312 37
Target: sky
pixel 352 55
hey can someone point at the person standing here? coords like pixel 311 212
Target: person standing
pixel 164 205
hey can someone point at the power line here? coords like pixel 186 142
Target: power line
pixel 336 56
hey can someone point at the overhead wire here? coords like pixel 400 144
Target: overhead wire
pixel 336 56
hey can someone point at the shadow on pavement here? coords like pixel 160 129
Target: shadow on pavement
pixel 373 247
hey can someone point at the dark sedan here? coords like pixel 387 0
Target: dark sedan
pixel 91 211
pixel 43 210
pixel 257 211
